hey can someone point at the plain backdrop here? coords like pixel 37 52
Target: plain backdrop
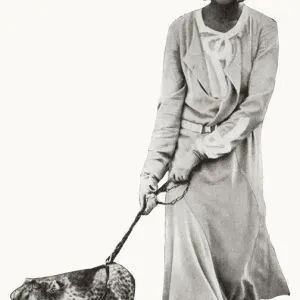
pixel 79 85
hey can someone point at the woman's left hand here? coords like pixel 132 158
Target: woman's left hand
pixel 182 169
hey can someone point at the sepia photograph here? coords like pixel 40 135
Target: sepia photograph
pixel 149 150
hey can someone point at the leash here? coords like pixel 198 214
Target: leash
pixel 163 189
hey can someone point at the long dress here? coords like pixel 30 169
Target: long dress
pixel 217 245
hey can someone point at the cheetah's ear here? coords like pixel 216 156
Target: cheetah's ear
pixel 54 286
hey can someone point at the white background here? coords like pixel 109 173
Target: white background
pixel 79 84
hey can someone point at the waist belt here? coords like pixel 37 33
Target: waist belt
pixel 197 127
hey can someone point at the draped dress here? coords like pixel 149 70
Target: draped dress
pixel 217 246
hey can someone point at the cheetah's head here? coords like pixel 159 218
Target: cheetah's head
pixel 40 289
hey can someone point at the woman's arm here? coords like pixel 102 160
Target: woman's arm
pixel 251 111
pixel 167 123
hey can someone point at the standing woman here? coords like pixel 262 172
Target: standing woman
pixel 219 71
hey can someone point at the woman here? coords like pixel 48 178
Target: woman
pixel 220 64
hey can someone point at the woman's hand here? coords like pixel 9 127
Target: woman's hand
pixel 148 186
pixel 182 169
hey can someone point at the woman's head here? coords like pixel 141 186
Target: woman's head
pixel 224 2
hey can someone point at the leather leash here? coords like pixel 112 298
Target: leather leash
pixel 163 189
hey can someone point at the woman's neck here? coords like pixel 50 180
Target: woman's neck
pixel 228 12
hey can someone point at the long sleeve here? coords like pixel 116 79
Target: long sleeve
pixel 250 113
pixel 172 95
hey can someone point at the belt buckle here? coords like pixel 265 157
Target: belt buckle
pixel 205 129
pixel 200 128
pixel 208 129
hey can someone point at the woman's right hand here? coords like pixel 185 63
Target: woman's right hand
pixel 148 186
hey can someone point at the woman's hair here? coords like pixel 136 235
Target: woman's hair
pixel 238 0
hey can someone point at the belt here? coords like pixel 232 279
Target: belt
pixel 197 127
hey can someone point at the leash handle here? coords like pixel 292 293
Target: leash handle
pixel 163 189
pixel 166 189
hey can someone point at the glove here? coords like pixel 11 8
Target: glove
pixel 182 169
pixel 148 186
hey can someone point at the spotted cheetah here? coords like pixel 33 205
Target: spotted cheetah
pixel 88 284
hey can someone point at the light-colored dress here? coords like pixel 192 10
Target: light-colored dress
pixel 217 246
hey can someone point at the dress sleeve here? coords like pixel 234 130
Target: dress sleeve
pixel 250 113
pixel 172 95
